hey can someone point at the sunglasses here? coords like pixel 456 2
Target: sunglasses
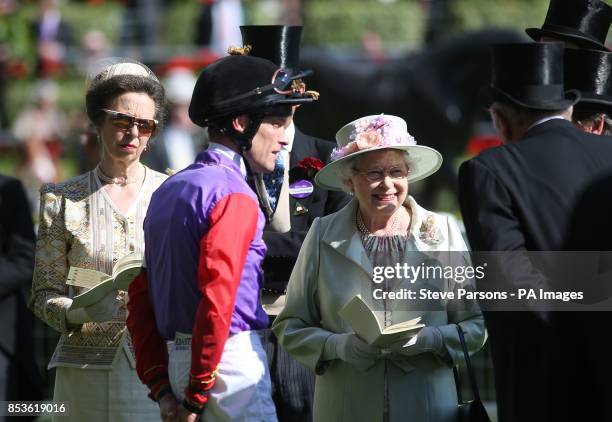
pixel 126 122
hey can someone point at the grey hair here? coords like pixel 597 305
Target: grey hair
pixel 523 117
pixel 346 168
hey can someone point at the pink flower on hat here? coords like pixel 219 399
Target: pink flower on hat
pixel 373 133
pixel 367 140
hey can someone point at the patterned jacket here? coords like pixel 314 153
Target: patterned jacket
pixel 80 226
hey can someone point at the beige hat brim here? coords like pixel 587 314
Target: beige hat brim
pixel 423 161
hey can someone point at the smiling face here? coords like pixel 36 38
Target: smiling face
pixel 267 143
pixel 126 144
pixel 383 197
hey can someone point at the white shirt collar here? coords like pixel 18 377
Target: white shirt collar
pixel 290 132
pixel 545 119
pixel 229 153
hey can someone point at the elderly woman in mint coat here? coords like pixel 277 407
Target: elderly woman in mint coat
pixel 376 158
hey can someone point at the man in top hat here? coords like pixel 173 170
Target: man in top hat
pixel 519 197
pixel 296 202
pixel 577 23
pixel 590 229
pixel 588 71
pixel 204 250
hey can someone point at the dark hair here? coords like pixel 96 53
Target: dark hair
pixel 101 93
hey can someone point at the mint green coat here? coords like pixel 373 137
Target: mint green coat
pixel 330 270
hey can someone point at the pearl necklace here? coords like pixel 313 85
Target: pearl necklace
pixel 364 230
pixel 122 181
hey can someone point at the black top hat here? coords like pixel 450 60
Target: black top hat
pixel 585 22
pixel 235 85
pixel 277 43
pixel 589 71
pixel 530 75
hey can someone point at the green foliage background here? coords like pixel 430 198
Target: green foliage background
pixel 340 23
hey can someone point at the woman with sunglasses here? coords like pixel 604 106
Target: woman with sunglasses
pixel 90 222
pixel 382 227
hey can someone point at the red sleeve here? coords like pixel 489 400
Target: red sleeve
pixel 151 350
pixel 223 251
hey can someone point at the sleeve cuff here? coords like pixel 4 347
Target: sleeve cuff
pixel 192 408
pixel 161 392
pixel 158 386
pixel 438 347
pixel 62 306
pixel 197 398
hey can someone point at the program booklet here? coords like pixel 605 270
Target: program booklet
pixel 100 284
pixel 362 319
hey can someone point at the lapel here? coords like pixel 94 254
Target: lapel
pixel 301 149
pixel 426 228
pixel 342 235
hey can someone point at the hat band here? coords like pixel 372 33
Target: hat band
pixel 545 93
pixel 578 30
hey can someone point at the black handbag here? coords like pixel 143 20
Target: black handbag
pixel 473 410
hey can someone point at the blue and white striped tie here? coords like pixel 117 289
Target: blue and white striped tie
pixel 274 181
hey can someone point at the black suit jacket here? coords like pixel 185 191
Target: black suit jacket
pixel 518 197
pixel 22 378
pixel 283 248
pixel 16 237
pixel 591 230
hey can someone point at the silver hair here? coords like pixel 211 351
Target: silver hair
pixel 523 117
pixel 346 168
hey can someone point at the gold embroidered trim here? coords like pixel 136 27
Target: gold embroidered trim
pixel 152 368
pixel 213 375
pixel 239 51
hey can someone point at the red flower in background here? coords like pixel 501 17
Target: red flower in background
pixel 305 169
pixel 311 163
pixel 477 144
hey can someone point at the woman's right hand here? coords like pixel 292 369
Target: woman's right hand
pixel 351 349
pixel 104 310
pixel 428 339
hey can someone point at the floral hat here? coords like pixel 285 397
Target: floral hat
pixel 371 133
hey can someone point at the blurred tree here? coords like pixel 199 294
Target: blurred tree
pixel 442 21
pixel 519 14
pixel 16 51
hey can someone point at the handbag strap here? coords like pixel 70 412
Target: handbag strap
pixel 468 364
